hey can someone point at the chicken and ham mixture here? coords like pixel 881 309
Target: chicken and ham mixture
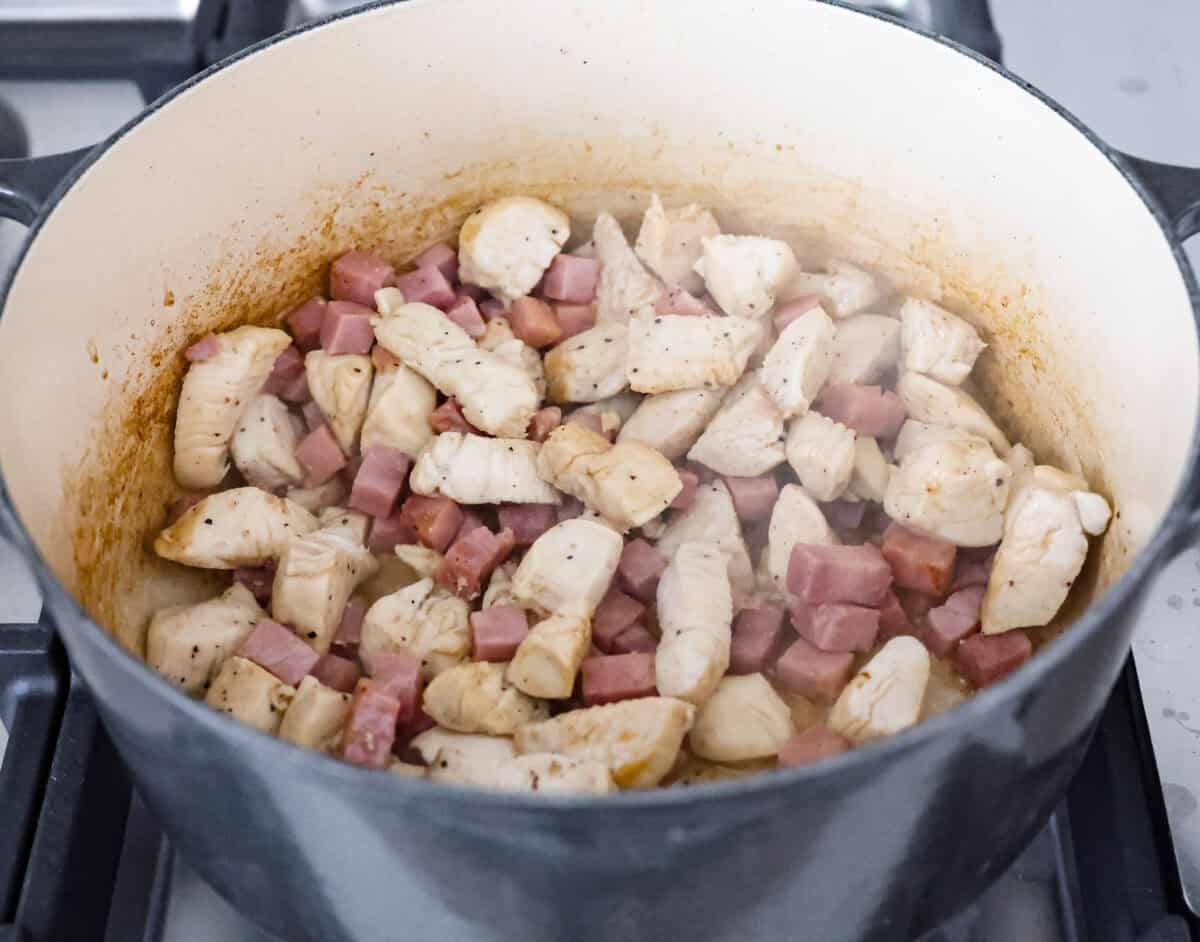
pixel 618 517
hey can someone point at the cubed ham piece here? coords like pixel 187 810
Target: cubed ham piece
pixel 969 572
pixel 856 574
pixel 435 520
pixel 448 417
pixel 470 521
pixel 617 677
pixel 947 624
pixel 353 466
pixel 591 421
pixel 680 303
pixel 407 732
pixel 474 292
pixel 691 481
pixel 320 456
pixel 258 579
pixel 203 349
pixel 275 647
pixel 304 322
pixel 472 559
pixel 533 321
pixel 337 672
pixel 349 633
pixel 753 498
pixel 428 286
pixel 465 313
pixel 314 418
pixel 356 276
pixel 838 626
pixel 570 278
pixel 920 562
pixel 379 481
pixel 295 391
pixel 383 359
pixel 844 514
pixel 868 410
pixel 814 744
pixel 347 328
pixel 497 632
pixel 569 509
pixel 574 318
pixel 916 604
pixel 389 532
pixel 788 311
pixel 616 613
pixel 527 521
pixel 370 727
pixel 398 674
pixel 288 367
pixel 893 619
pixel 984 659
pixel 639 569
pixel 757 638
pixel 443 258
pixel 819 675
pixel 490 308
pixel 544 422
pixel 634 638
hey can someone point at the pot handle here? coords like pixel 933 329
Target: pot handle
pixel 26 183
pixel 1176 189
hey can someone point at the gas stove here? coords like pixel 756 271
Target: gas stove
pixel 82 858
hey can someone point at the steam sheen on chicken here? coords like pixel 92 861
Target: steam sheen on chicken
pixel 244 526
pixel 506 246
pixel 472 469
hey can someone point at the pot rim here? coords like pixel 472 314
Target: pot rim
pixel 958 720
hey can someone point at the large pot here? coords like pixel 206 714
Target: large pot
pixel 848 134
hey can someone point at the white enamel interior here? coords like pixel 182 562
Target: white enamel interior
pixel 852 136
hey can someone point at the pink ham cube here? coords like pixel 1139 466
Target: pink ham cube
pixel 389 532
pixel 275 647
pixel 920 562
pixel 320 455
pixel 474 292
pixel 527 521
pixel 616 613
pixel 288 367
pixel 428 286
pixel 916 604
pixel 569 509
pixel 969 572
pixel 985 659
pixel 533 321
pixel 472 559
pixel 868 410
pixel 788 311
pixel 491 308
pixel 757 638
pixel 337 672
pixel 844 514
pixel 497 632
pixel 370 728
pixel 691 481
pixel 443 258
pixel 837 626
pixel 258 579
pixel 465 313
pixel 856 574
pixel 947 624
pixel 347 328
pixel 639 569
pixel 814 744
pixel 448 417
pixel 314 418
pixel 203 349
pixel 819 675
pixel 435 520
pixel 680 303
pixel 544 422
pixel 380 480
pixel 753 498
pixel 471 521
pixel 296 391
pixel 398 673
pixel 617 677
pixel 305 321
pixel 574 319
pixel 893 620
pixel 356 276
pixel 349 633
pixel 634 638
pixel 573 279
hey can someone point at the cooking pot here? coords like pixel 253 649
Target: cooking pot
pixel 845 133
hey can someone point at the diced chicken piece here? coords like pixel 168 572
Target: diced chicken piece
pixel 187 644
pixel 407 769
pixel 627 484
pixel 845 289
pixel 499 590
pixel 590 366
pixel 598 420
pixel 357 525
pixel 929 401
pixel 636 740
pixel 264 445
pixel 506 245
pixel 1094 512
pixel 670 242
pixel 1022 462
pixel 216 391
pixel 814 744
pixel 712 518
pixel 743 719
pixel 398 412
pixel 866 348
pixel 691 770
pixel 1041 553
pixel 885 697
pixel 821 452
pixel 695 613
pixel 937 343
pixel 472 469
pixel 745 437
pixel 869 479
pixel 462 758
pixel 314 580
pixel 549 774
pixel 744 273
pixel 672 352
pixel 671 422
pixel 250 693
pixel 428 622
pixel 243 526
pixel 568 569
pixel 626 290
pixel 954 490
pixel 475 698
pixel 548 659
pixel 316 716
pixel 496 395
pixel 796 518
pixel 500 340
pixel 341 386
pixel 799 362
pixel 916 435
pixel 320 496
